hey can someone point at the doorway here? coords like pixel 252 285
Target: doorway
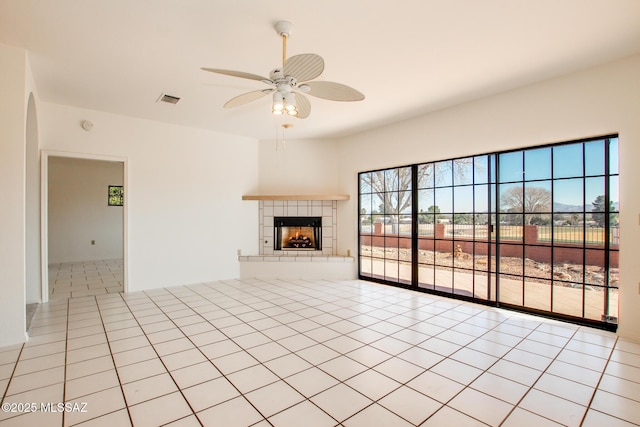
pixel 84 233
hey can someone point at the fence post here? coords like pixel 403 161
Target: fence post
pixel 377 228
pixel 530 234
pixel 438 231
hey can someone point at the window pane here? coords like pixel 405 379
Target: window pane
pixel 543 223
pixel 567 195
pixel 390 203
pixel 391 270
pixel 614 194
pixel 463 171
pixel 365 183
pixel 537 164
pixel 537 294
pixel 567 298
pixel 594 158
pixel 492 168
pixel 481 202
pixel 510 232
pixel 365 203
pixel 537 262
pixel 537 196
pixel 594 194
pixel 425 200
pixel 404 202
pixel 444 200
pixel 425 176
pixel 567 161
pixel 391 180
pixel 511 197
pixel 444 252
pixel 404 271
pixel 595 302
pixel 613 156
pixel 365 263
pixel 481 229
pixel 511 289
pixel 511 259
pixel 404 226
pixel 444 173
pixel 480 169
pixel 511 168
pixel 444 279
pixel 404 179
pixel 463 199
pixel 463 226
pixel 594 269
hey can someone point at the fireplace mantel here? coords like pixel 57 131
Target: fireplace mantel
pixel 296 197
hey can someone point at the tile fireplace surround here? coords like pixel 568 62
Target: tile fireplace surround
pixel 268 261
pixel 288 208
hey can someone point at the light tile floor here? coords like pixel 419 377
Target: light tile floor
pixel 79 279
pixel 321 353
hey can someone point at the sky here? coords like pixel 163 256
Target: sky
pixel 577 170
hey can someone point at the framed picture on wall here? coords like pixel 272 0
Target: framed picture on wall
pixel 116 195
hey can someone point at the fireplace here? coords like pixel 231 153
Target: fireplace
pixel 297 233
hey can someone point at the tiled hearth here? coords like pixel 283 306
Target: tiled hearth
pixel 268 209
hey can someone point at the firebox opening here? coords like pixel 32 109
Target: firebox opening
pixel 298 233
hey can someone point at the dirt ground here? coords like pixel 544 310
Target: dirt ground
pixel 572 274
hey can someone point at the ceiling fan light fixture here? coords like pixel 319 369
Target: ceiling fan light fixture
pixel 278 103
pixel 290 102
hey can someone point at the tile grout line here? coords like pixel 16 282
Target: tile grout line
pixel 392 356
pixel 466 386
pixel 517 405
pixel 13 371
pixel 597 386
pixel 231 339
pixel 66 355
pixel 115 368
pixel 193 412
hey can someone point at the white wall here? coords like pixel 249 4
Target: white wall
pixel 13 107
pixel 306 167
pixel 78 212
pixel 185 216
pixel 33 263
pixel 599 101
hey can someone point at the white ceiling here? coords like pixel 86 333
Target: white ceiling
pixel 408 57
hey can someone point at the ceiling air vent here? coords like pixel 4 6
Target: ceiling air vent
pixel 168 99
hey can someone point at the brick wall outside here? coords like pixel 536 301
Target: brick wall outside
pixel 534 249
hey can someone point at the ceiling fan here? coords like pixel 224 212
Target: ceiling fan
pixel 289 82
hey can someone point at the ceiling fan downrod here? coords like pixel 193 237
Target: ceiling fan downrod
pixel 284 28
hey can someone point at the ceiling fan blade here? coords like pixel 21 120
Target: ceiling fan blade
pixel 334 91
pixel 240 74
pixel 304 67
pixel 303 105
pixel 247 97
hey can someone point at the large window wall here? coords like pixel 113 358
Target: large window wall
pixel 534 229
